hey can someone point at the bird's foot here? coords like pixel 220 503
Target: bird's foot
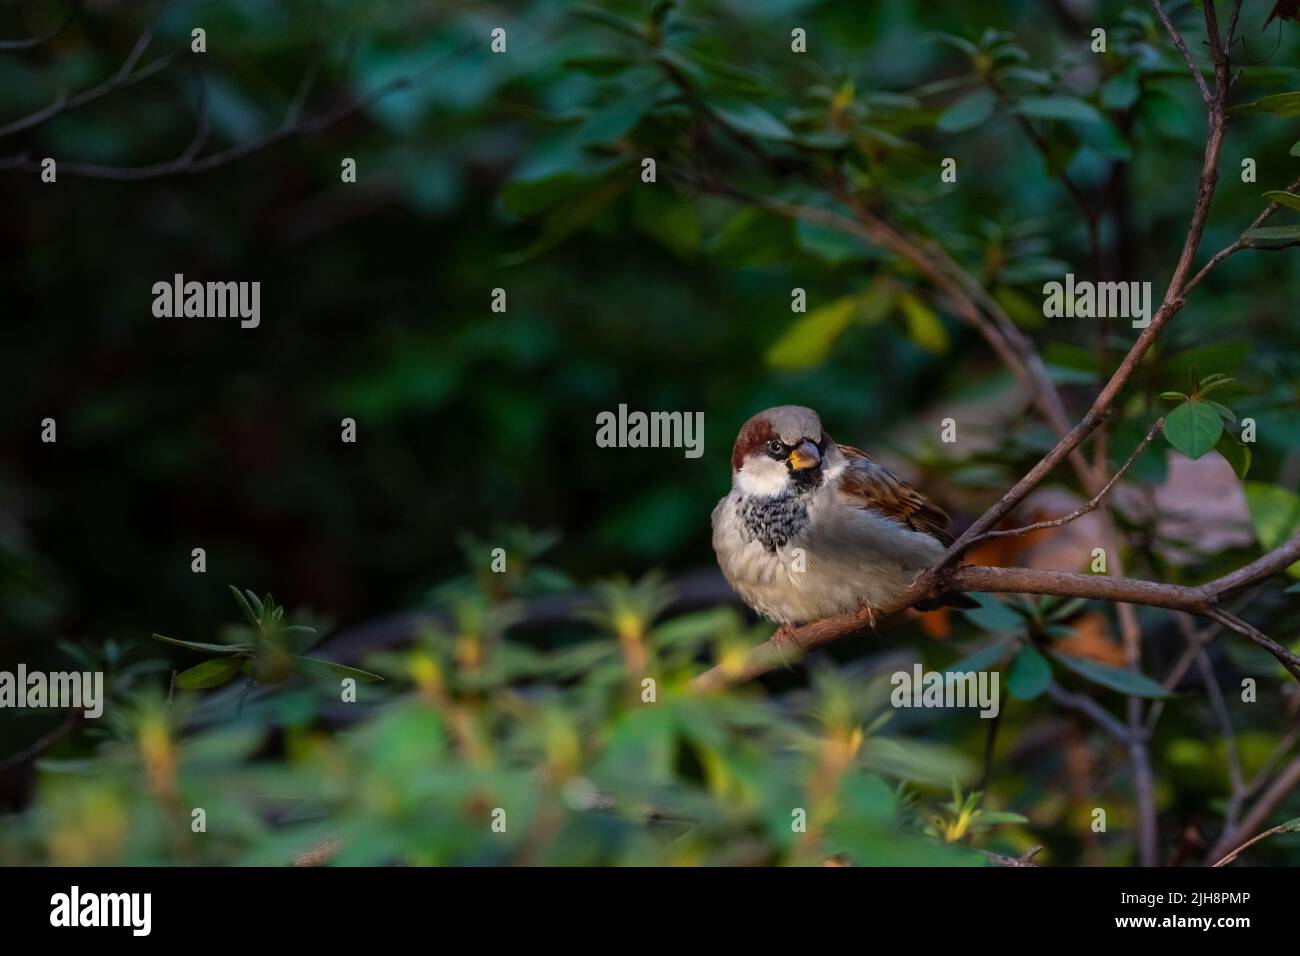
pixel 783 634
pixel 871 614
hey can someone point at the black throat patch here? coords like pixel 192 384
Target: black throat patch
pixel 772 520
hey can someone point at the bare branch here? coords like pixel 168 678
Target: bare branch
pixel 1291 826
pixel 1094 711
pixel 1243 241
pixel 1186 54
pixel 1169 307
pixel 187 163
pixel 1288 660
pixel 74 7
pixel 1088 507
pixel 1219 707
pixel 1280 789
pixel 125 77
pixel 1201 600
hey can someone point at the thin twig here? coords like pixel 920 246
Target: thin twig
pixel 1088 507
pixel 188 164
pixel 74 7
pixel 1186 54
pixel 126 76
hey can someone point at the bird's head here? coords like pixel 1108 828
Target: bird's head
pixel 780 450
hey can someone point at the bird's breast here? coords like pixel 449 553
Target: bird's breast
pixel 774 520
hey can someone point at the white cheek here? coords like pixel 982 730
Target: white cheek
pixel 761 476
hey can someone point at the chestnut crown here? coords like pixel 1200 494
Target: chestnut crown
pixel 787 424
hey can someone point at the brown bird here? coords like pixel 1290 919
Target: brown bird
pixel 814 529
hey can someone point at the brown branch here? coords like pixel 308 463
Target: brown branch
pixel 1001 859
pixel 1280 789
pixel 1170 305
pixel 1289 660
pixel 1186 54
pixel 1202 600
pixel 42 744
pixel 1291 826
pixel 1090 215
pixel 74 7
pixel 1219 707
pixel 1089 506
pixel 189 164
pixel 126 76
pixel 1091 709
pixel 1243 241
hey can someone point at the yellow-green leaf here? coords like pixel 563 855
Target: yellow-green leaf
pixel 809 340
pixel 923 325
pixel 211 673
pixel 1283 198
pixel 1274 514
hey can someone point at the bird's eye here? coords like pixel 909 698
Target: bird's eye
pixel 775 448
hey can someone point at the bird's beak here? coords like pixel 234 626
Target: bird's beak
pixel 805 456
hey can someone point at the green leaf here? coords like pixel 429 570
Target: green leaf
pixel 1116 678
pixel 612 122
pixel 986 658
pixel 1283 198
pixel 1059 107
pixel 1122 90
pixel 668 218
pixel 661 11
pixel 1174 396
pixel 257 604
pixel 316 667
pixel 992 818
pixel 1273 235
pixel 595 14
pixel 1224 355
pixel 243 605
pixel 568 219
pixel 1193 428
pixel 968 112
pixel 954 41
pixel 923 325
pixel 993 615
pixel 1279 104
pixel 1295 148
pixel 599 65
pixel 1030 674
pixel 1224 412
pixel 1235 453
pixel 1104 137
pixel 745 117
pixel 832 245
pixel 809 341
pixel 1274 514
pixel 223 649
pixel 210 673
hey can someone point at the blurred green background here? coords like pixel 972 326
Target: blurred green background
pixel 521 171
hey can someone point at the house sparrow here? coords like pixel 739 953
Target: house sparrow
pixel 864 533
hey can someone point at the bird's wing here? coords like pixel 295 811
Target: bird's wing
pixel 870 485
